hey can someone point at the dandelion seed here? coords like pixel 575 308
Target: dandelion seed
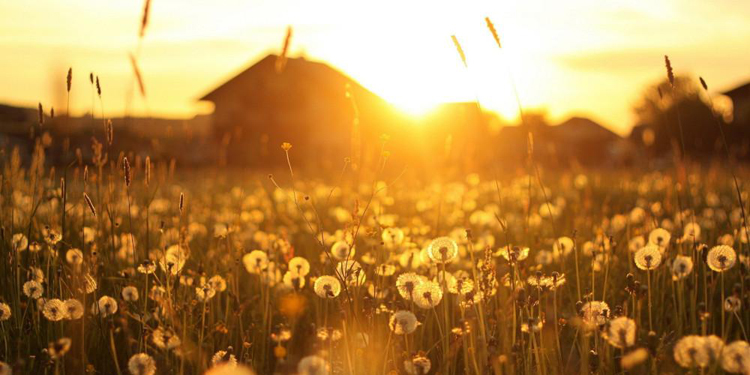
pixel 442 250
pixel 659 237
pixel 4 311
pixel 218 283
pixel 341 250
pixel 33 289
pixel 74 257
pixel 735 358
pixel 594 314
pixel 418 365
pixel 107 306
pixel 721 258
pixel 130 294
pixel 165 339
pixel 299 266
pixel 406 284
pixel 427 294
pixel 54 310
pixel 562 247
pixel 648 258
pixel 313 365
pixel 255 261
pixel 19 242
pixel 403 322
pixel 59 348
pixel 621 332
pixel 224 358
pixel 142 364
pixel 73 309
pixel 732 304
pixel 682 266
pixel 327 287
pixel 690 351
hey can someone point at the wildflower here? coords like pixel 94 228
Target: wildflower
pixel 173 260
pixel 130 294
pixel 165 338
pixel 107 306
pixel 513 254
pixel 427 294
pixel 255 261
pixel 299 266
pixel 33 289
pixel 326 333
pixel 682 266
pixel 690 352
pixel 204 293
pixel 732 304
pixel 293 280
pixel 594 314
pixel 555 281
pixel 57 349
pixel 648 258
pixel 224 358
pixel 659 237
pixel 73 309
pixel 634 358
pixel 147 267
pixel 442 250
pixel 327 287
pixel 403 322
pixel 218 283
pixel 74 257
pixel 692 231
pixel 341 250
pixel 385 270
pixel 54 310
pixel 406 284
pixel 721 258
pixel 562 247
pixel 735 358
pixel 621 332
pixel 19 242
pixel 283 335
pixel 313 365
pixel 392 237
pixel 418 365
pixel 142 364
pixel 286 146
pixel 4 312
pixel 51 236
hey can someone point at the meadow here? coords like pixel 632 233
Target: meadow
pixel 114 264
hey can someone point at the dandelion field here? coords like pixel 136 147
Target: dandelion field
pixel 124 266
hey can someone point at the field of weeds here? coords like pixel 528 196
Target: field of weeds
pixel 117 265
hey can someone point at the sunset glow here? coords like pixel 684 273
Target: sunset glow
pixel 578 57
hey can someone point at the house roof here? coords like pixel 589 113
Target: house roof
pixel 319 74
pixel 739 91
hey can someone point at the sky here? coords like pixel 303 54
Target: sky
pixel 577 57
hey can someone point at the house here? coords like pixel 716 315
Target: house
pixel 741 104
pixel 316 108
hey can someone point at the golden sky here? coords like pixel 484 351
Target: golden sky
pixel 574 57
